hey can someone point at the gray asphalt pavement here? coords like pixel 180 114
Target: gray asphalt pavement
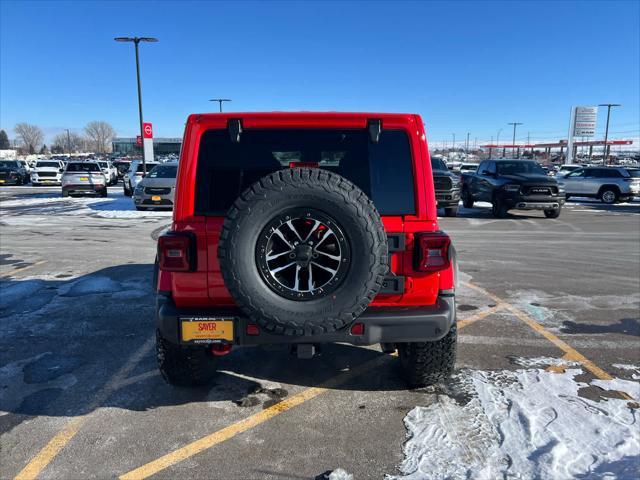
pixel 77 363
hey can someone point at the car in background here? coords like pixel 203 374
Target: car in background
pixel 27 170
pixel 109 171
pixel 468 167
pixel 81 178
pixel 513 184
pixel 134 175
pixel 565 169
pixel 608 184
pixel 156 190
pixel 47 172
pixel 447 187
pixel 11 172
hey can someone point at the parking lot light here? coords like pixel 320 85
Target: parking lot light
pixel 136 41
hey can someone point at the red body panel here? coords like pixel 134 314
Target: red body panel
pixel 205 286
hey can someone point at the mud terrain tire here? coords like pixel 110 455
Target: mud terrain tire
pixel 303 195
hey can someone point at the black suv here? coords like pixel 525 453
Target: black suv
pixel 447 186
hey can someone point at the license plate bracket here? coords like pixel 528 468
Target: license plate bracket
pixel 199 330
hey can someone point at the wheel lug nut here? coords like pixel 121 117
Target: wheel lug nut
pixel 292 255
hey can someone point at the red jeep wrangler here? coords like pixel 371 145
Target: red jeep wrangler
pixel 305 228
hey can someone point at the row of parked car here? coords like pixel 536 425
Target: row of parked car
pixel 525 185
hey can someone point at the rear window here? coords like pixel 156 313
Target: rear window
pixel 164 171
pixel 382 170
pixel 82 167
pixel 141 167
pixel 8 164
pixel 634 173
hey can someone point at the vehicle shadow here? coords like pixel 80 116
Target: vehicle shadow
pixel 62 341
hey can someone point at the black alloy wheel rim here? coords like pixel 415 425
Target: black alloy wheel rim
pixel 302 254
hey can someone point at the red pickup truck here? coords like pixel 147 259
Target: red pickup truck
pixel 303 229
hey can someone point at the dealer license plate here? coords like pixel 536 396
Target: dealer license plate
pixel 1 181
pixel 155 198
pixel 84 179
pixel 206 330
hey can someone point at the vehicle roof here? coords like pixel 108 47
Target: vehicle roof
pixel 303 119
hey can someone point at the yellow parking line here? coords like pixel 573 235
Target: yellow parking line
pixel 570 352
pixel 57 443
pixel 480 315
pixel 18 270
pixel 234 429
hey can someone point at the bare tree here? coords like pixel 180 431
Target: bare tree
pixel 100 134
pixel 30 136
pixel 4 141
pixel 71 143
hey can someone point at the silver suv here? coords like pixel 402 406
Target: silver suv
pixel 609 184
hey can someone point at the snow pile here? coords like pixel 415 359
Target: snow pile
pixel 523 424
pixel 115 205
pixel 340 474
pixel 90 286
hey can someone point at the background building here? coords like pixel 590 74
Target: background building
pixel 161 146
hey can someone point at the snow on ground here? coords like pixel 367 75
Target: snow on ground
pixel 527 423
pixel 115 205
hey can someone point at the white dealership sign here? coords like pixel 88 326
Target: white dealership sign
pixel 582 124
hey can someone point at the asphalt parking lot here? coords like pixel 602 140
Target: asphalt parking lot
pixel 547 373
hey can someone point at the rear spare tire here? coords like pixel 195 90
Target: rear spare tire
pixel 303 252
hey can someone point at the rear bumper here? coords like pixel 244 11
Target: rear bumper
pixel 381 324
pixel 84 188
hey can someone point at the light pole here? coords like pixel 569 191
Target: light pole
pixel 498 139
pixel 515 124
pixel 454 142
pixel 220 100
pixel 606 131
pixel 136 41
pixel 466 150
pixel 68 141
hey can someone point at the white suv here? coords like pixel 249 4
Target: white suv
pixel 47 172
pixel 134 176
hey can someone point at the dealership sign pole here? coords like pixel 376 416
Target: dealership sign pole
pixel 147 142
pixel 582 124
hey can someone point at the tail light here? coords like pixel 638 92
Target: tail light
pixel 304 164
pixel 432 251
pixel 176 252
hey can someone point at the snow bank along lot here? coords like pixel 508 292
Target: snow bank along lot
pixel 76 304
pixel 528 423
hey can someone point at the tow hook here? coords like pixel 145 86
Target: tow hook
pixel 221 349
pixel 305 350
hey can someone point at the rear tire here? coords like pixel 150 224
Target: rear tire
pixel 451 211
pixel 467 199
pixel 103 194
pixel 427 363
pixel 184 366
pixel 127 191
pixel 609 196
pixel 141 209
pixel 65 193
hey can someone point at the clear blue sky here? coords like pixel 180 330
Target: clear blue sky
pixel 464 66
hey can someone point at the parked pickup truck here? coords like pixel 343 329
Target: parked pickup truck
pixel 513 184
pixel 447 187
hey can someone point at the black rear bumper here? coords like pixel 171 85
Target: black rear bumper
pixel 381 324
